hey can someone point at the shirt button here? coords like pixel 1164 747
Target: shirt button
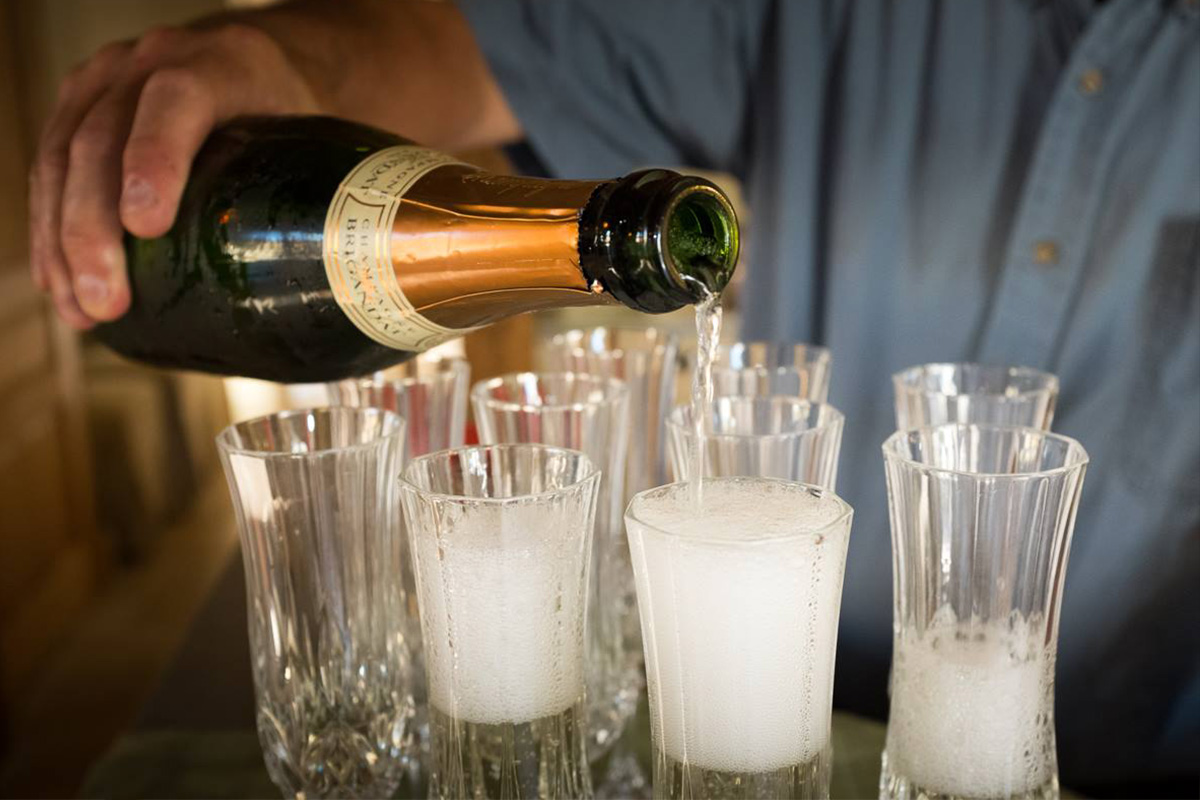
pixel 1045 253
pixel 1091 81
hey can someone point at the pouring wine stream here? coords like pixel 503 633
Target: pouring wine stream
pixel 708 336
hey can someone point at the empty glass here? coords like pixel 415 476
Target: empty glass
pixel 981 519
pixel 739 603
pixel 933 394
pixel 646 359
pixel 765 368
pixel 589 413
pixel 501 539
pixel 430 395
pixel 317 508
pixel 774 437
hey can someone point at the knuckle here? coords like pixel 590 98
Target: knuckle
pixel 174 82
pixel 78 240
pixel 113 51
pixel 86 145
pixel 70 84
pixel 156 43
pixel 240 37
pixel 102 61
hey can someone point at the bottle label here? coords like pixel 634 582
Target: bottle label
pixel 357 249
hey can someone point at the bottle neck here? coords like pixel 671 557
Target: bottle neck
pixel 657 240
pixel 469 247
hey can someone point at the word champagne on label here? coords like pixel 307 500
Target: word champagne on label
pixel 312 249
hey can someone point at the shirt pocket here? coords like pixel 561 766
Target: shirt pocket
pixel 1161 423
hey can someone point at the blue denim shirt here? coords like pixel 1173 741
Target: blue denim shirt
pixel 1010 182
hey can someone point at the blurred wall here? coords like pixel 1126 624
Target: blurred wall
pixel 52 552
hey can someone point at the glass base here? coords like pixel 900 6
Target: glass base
pixel 894 786
pixel 543 758
pixel 675 780
pixel 358 757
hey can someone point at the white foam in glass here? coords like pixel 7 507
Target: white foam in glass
pixel 739 609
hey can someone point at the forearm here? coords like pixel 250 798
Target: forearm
pixel 408 66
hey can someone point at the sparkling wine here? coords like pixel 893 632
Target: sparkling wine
pixel 708 337
pixel 971 713
pixel 312 249
pixel 739 603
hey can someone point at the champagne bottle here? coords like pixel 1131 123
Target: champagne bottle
pixel 312 249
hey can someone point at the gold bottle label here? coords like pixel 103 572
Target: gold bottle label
pixel 357 248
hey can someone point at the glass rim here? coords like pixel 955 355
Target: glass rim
pixel 664 337
pixel 836 418
pixel 615 390
pixel 845 510
pixel 593 473
pixel 224 445
pixel 892 453
pixel 819 352
pixel 452 366
pixel 1048 380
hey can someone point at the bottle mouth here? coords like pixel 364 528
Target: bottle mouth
pixel 699 240
pixel 657 240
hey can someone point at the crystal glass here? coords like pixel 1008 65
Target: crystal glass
pixel 981 527
pixel 589 413
pixel 430 395
pixel 765 368
pixel 646 359
pixel 316 503
pixel 773 437
pixel 501 539
pixel 933 394
pixel 739 603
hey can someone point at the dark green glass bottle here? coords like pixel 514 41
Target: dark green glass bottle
pixel 312 249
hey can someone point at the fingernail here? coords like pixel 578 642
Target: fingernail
pixel 91 291
pixel 138 194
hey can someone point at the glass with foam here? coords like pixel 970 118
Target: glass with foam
pixel 739 602
pixel 981 521
pixel 501 542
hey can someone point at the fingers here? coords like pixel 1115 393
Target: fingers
pixel 118 148
pixel 235 69
pixel 63 296
pixel 91 229
pixel 175 113
pixel 76 96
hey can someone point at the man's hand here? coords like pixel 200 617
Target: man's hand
pixel 118 146
pixel 119 143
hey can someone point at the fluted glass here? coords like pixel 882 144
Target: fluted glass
pixel 646 359
pixel 501 539
pixel 589 413
pixel 430 395
pixel 981 519
pixel 766 368
pixel 934 394
pixel 773 437
pixel 317 510
pixel 739 601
